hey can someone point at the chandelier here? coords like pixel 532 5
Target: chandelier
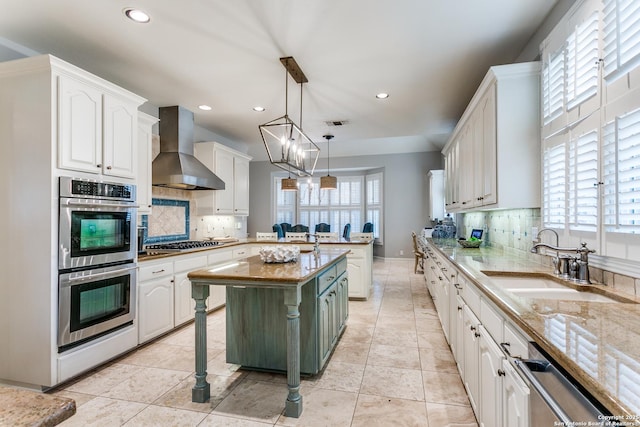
pixel 287 145
pixel 328 182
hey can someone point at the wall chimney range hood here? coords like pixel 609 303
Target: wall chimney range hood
pixel 175 166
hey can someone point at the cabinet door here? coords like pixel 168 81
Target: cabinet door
pixel 145 124
pixel 471 357
pixel 240 186
pixel 491 373
pixel 488 178
pixel 356 269
pixel 79 126
pixel 155 305
pixel 224 170
pixel 184 304
pixel 515 402
pixel 460 335
pixel 326 311
pixel 120 127
pixel 342 302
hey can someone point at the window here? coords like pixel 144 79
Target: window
pixel 621 36
pixel 350 203
pixel 583 180
pixel 554 183
pixel 582 62
pixel 553 85
pixel 621 160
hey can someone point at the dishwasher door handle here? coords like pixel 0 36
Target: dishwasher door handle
pixel 542 391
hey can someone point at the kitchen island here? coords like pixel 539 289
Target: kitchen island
pixel 317 276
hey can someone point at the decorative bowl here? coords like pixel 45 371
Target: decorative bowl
pixel 279 253
pixel 470 243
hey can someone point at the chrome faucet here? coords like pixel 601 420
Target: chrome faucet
pixel 556 259
pixel 578 268
pixel 316 244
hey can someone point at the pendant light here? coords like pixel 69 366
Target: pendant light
pixel 328 182
pixel 288 147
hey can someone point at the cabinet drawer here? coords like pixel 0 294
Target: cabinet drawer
pixel 326 279
pixel 218 256
pixel 471 296
pixel 195 263
pixel 341 267
pixel 518 345
pixel 155 270
pixel 491 320
pixel 240 252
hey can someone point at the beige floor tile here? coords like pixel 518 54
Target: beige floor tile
pixel 437 360
pixel 79 398
pixel 341 376
pixel 393 336
pixel 357 334
pixel 396 322
pixel 104 380
pixel 103 412
pixel 374 411
pixel 349 352
pixel 216 420
pixel 432 339
pixel 219 366
pixel 146 385
pixel 428 323
pixel 324 408
pixel 179 397
pixel 394 356
pixel 450 416
pixel 443 387
pixel 154 416
pixel 393 382
pixel 255 401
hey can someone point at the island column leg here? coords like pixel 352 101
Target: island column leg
pixel 293 406
pixel 201 391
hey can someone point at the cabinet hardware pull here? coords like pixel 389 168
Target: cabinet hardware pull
pixel 108 167
pixel 477 334
pixel 473 328
pixel 98 165
pixel 156 272
pixel 501 373
pixel 457 285
pixel 172 281
pixel 439 277
pixel 459 308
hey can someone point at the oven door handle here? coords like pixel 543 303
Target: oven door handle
pixel 109 205
pixel 542 391
pixel 105 273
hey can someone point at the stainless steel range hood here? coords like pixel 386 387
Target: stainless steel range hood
pixel 175 166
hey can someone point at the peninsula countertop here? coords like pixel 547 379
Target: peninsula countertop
pixel 598 343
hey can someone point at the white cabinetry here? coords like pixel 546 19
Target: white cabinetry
pixel 498 396
pixel 497 138
pixel 97 125
pixel 218 294
pixel 233 168
pixel 145 136
pixel 155 300
pixel 184 303
pixel 435 209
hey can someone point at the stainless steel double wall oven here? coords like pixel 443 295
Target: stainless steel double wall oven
pixel 97 259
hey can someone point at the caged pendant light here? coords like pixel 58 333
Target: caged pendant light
pixel 287 145
pixel 328 182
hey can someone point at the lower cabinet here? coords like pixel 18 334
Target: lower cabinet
pixel 484 342
pixel 257 323
pixel 155 301
pixel 184 303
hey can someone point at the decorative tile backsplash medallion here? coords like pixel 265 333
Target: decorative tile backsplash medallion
pixel 169 221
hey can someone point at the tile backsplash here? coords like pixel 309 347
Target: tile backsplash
pixel 510 230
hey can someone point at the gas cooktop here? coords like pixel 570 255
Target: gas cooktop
pixel 184 246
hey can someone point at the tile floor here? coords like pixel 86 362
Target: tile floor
pixel 392 367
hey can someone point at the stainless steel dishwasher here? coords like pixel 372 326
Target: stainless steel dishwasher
pixel 555 399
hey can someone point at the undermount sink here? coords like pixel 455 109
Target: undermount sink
pixel 543 286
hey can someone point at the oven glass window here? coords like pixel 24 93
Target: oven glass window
pixel 99 233
pixel 99 301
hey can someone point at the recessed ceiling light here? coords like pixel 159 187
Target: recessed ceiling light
pixel 137 15
pixel 382 95
pixel 258 109
pixel 204 107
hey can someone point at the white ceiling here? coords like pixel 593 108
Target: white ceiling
pixel 429 55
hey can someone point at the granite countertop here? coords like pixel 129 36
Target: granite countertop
pixel 339 241
pixel 598 343
pixel 29 408
pixel 253 269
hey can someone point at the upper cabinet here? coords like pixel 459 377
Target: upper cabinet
pixel 492 159
pixel 145 139
pixel 97 124
pixel 233 168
